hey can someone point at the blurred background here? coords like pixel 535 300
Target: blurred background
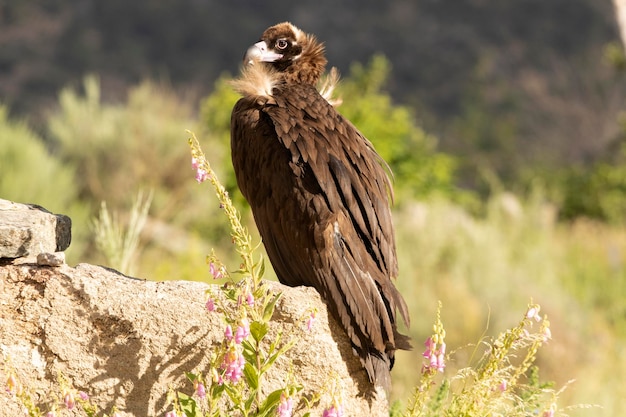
pixel 503 122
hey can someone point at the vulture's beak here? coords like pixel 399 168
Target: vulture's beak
pixel 259 52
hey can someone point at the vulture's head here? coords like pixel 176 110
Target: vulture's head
pixel 296 56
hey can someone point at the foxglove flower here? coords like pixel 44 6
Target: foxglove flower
pixel 210 305
pixel 216 271
pixel 250 299
pixel 228 333
pixel 243 331
pixel 200 390
pixel 310 321
pixel 436 357
pixel 285 407
pixel 233 365
pixel 69 401
pixel 335 411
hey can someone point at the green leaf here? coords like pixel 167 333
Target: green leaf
pixel 272 358
pixel 270 403
pixel 233 393
pixel 258 330
pixel 191 376
pixel 187 404
pixel 249 401
pixel 249 351
pixel 269 308
pixel 251 376
pixel 217 390
pixel 261 270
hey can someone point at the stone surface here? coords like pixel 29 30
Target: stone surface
pixel 125 340
pixel 27 230
pixel 51 259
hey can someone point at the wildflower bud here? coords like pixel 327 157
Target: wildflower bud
pixel 200 390
pixel 533 313
pixel 216 271
pixel 201 175
pixel 250 299
pixel 243 331
pixel 194 163
pixel 210 305
pixel 69 400
pixel 228 333
pixel 83 395
pixel 503 385
pixel 335 411
pixel 50 414
pixel 547 334
pixel 13 386
pixel 233 365
pixel 310 321
pixel 285 407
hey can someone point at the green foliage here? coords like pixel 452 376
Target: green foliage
pixel 598 192
pixel 419 170
pixel 240 362
pixel 30 174
pixel 119 243
pixel 492 386
pixel 481 266
pixel 215 112
pixel 486 132
pixel 62 396
pixel 117 150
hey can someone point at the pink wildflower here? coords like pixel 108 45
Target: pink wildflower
pixel 243 331
pixel 13 386
pixel 201 175
pixel 335 411
pixel 285 407
pixel 533 313
pixel 216 271
pixel 50 414
pixel 503 385
pixel 310 321
pixel 83 395
pixel 549 413
pixel 200 390
pixel 171 414
pixel 228 333
pixel 250 299
pixel 547 334
pixel 210 305
pixel 69 401
pixel 216 377
pixel 436 357
pixel 233 365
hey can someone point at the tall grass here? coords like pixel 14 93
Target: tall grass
pixel 486 268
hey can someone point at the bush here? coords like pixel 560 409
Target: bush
pixel 29 173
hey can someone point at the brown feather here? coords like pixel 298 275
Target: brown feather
pixel 320 196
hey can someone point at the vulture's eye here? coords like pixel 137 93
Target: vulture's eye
pixel 282 44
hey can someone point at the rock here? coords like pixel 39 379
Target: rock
pixel 51 259
pixel 125 341
pixel 28 229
